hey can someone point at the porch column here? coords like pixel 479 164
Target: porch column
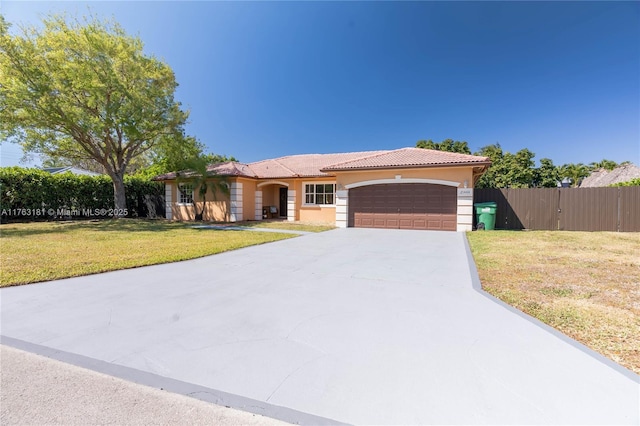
pixel 342 208
pixel 168 201
pixel 465 209
pixel 291 205
pixel 236 202
pixel 258 211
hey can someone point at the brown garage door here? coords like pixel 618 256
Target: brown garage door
pixel 403 206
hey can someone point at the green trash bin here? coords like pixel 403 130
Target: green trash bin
pixel 486 215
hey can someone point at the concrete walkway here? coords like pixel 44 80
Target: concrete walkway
pixel 353 325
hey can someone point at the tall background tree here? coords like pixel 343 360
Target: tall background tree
pixel 518 170
pixel 547 175
pixel 446 145
pixel 574 172
pixel 85 91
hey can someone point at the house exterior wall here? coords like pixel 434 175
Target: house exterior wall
pixel 314 213
pixel 217 211
pixel 236 207
pixel 454 174
pixel 168 199
pixel 248 196
pixel 318 214
pixel 270 195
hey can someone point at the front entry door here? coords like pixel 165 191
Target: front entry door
pixel 283 202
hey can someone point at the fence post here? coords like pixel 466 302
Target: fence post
pixel 619 208
pixel 558 211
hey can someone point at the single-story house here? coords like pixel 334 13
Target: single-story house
pixel 409 188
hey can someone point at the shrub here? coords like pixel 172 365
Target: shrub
pixel 32 194
pixel 632 182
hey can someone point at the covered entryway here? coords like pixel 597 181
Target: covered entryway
pixel 404 206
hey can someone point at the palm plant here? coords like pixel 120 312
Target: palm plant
pixel 203 178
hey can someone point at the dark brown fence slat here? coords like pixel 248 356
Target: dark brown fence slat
pixel 570 209
pixel 589 209
pixel 534 209
pixel 629 211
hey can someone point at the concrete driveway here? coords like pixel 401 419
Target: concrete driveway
pixel 355 326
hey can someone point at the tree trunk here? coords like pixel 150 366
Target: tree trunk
pixel 119 196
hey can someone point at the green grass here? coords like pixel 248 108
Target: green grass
pixel 585 284
pixel 34 252
pixel 292 226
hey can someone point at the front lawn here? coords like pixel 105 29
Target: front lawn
pixel 291 226
pixel 33 252
pixel 585 284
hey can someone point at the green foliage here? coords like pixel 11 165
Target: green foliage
pixel 34 189
pixel 203 179
pixel 632 182
pixel 177 153
pixel 507 170
pixel 218 158
pixel 518 170
pixel 575 172
pixel 85 91
pixel 547 175
pixel 446 145
pixel 604 164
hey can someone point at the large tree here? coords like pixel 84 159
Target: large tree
pixel 446 145
pixel 547 175
pixel 180 152
pixel 507 170
pixel 85 90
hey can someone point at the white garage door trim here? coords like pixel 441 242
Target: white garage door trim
pixel 402 180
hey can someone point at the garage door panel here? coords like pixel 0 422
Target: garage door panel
pixel 404 206
pixel 450 225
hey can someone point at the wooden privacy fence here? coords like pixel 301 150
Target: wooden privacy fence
pixel 568 209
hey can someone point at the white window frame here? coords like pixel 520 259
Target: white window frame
pixel 186 187
pixel 305 194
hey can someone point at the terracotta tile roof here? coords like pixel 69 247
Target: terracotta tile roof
pixel 305 165
pixel 408 157
pixel 317 165
pixel 230 168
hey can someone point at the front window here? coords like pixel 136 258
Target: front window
pixel 319 193
pixel 186 193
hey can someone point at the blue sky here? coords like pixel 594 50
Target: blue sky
pixel 268 79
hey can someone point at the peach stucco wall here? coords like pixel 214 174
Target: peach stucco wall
pixel 271 191
pixel 454 174
pixel 219 210
pixel 313 213
pixel 318 214
pixel 248 198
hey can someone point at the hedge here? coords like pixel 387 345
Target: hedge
pixel 632 182
pixel 32 194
